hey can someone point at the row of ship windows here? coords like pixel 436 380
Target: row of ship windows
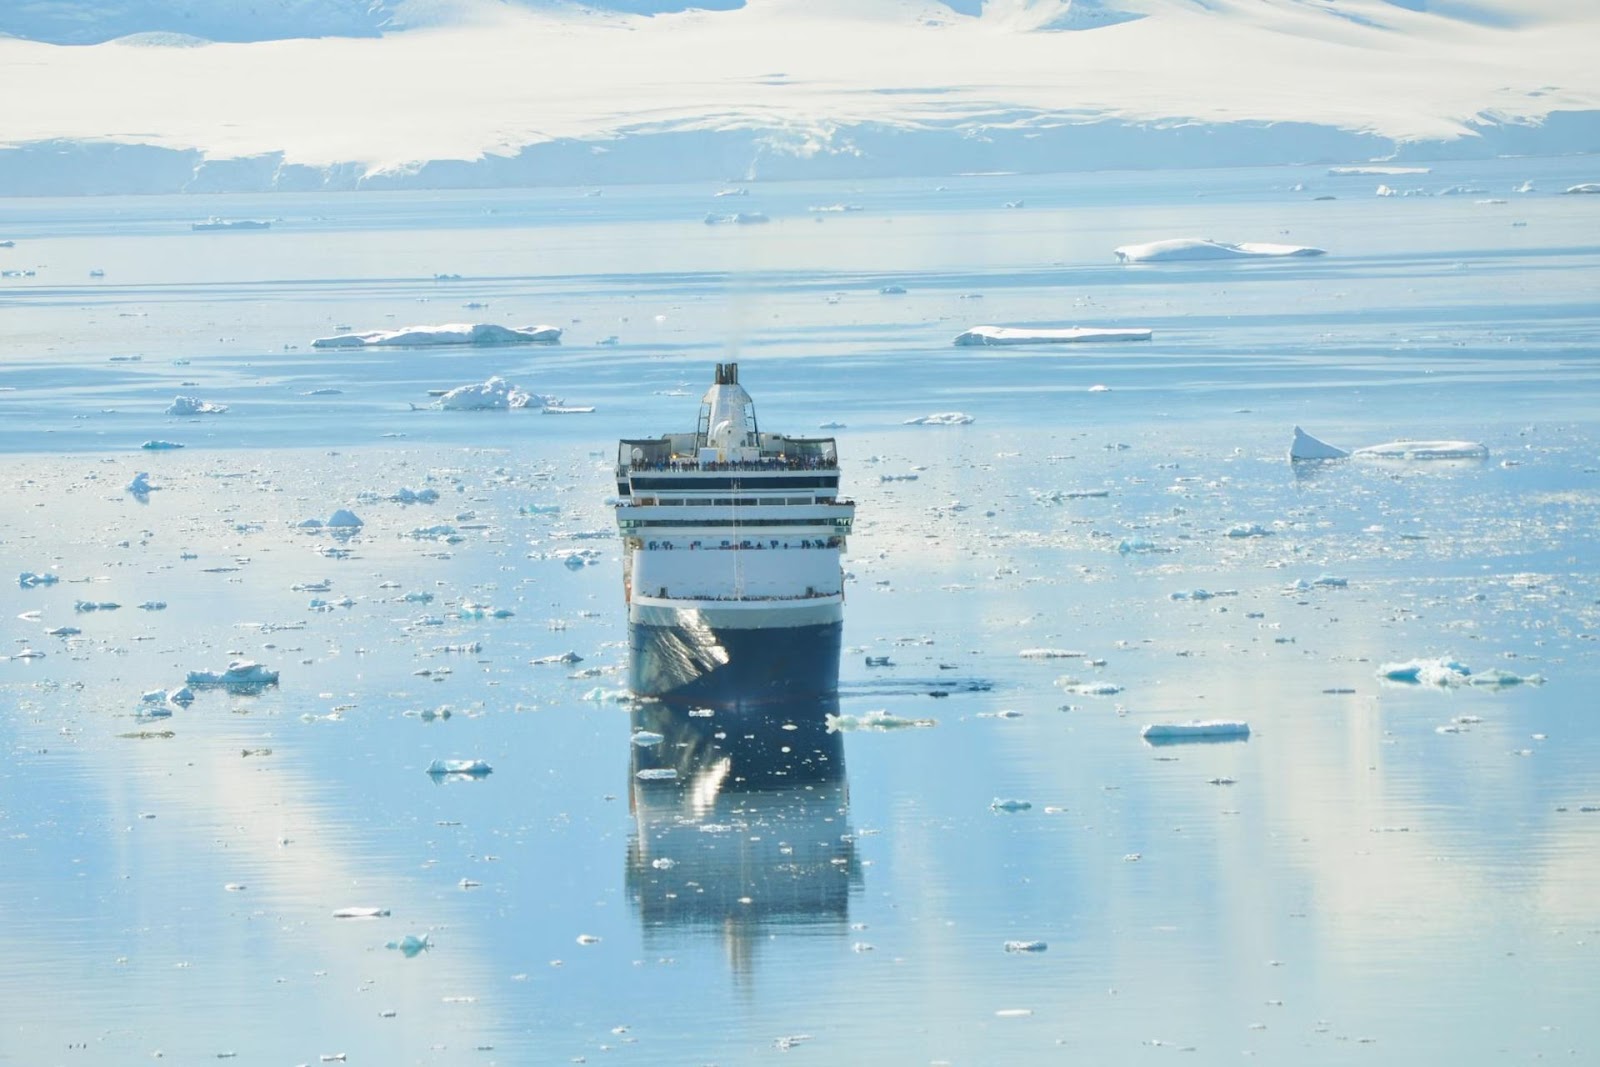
pixel 728 501
pixel 811 542
pixel 635 524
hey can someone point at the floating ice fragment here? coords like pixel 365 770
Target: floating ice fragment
pixel 241 674
pixel 140 485
pixel 1088 689
pixel 95 605
pixel 28 579
pixel 63 631
pixel 153 605
pixel 1198 729
pixel 1585 187
pixel 1372 171
pixel 361 913
pixel 1013 1013
pixel 1253 529
pixel 182 696
pixel 158 446
pixel 415 496
pixel 646 738
pixel 881 721
pixel 1016 335
pixel 472 768
pixel 1026 946
pixel 1009 804
pixel 1141 545
pixel 344 518
pixel 588 939
pixel 454 333
pixel 1049 653
pixel 1439 671
pixel 411 945
pixel 1194 248
pixel 657 774
pixel 496 394
pixel 191 405
pixel 1306 447
pixel 941 418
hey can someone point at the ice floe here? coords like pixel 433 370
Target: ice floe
pixel 881 721
pixel 941 418
pixel 361 913
pixel 140 485
pixel 415 496
pixel 496 394
pixel 1049 653
pixel 1305 447
pixel 1195 248
pixel 1025 946
pixel 28 579
pixel 1017 335
pixel 193 405
pixel 241 674
pixel 160 446
pixel 1009 804
pixel 1447 673
pixel 452 333
pixel 411 945
pixel 657 774
pixel 1585 187
pixel 471 768
pixel 1196 730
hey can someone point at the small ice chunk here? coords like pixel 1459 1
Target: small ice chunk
pixel 415 496
pixel 1049 653
pixel 140 485
pixel 1306 447
pixel 881 721
pixel 361 913
pixel 941 418
pixel 153 605
pixel 1026 946
pixel 473 768
pixel 28 579
pixel 1252 529
pixel 411 945
pixel 344 518
pixel 63 631
pixel 1009 804
pixel 1424 450
pixel 95 605
pixel 192 405
pixel 1585 187
pixel 1214 729
pixel 1439 671
pixel 241 674
pixel 657 774
pixel 159 446
pixel 646 738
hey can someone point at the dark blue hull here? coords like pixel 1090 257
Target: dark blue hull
pixel 734 668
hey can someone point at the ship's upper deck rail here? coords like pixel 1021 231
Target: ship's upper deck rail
pixel 774 463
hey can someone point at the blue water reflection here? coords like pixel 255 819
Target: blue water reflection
pixel 741 823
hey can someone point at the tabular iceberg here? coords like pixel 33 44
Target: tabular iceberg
pixel 453 333
pixel 1195 248
pixel 1016 335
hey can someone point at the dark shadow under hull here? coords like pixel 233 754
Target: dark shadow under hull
pixel 734 668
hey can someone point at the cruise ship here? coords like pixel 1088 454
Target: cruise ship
pixel 732 539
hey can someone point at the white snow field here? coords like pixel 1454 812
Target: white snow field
pixel 426 93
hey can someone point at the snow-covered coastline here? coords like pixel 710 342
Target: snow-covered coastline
pixel 1015 93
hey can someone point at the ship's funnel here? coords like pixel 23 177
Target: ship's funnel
pixel 728 414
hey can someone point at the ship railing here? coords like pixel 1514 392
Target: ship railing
pixel 730 599
pixel 781 463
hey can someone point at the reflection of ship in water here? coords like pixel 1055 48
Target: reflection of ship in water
pixel 741 822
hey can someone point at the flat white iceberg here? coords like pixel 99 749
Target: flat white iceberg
pixel 241 674
pixel 28 579
pixel 1016 335
pixel 193 405
pixel 1586 187
pixel 361 913
pixel 451 333
pixel 473 768
pixel 1198 729
pixel 1196 248
pixel 941 418
pixel 1026 946
pixel 1304 447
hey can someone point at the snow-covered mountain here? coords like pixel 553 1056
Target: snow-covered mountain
pixel 163 95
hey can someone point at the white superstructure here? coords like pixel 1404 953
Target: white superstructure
pixel 728 526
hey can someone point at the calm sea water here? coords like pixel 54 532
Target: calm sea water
pixel 1384 873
